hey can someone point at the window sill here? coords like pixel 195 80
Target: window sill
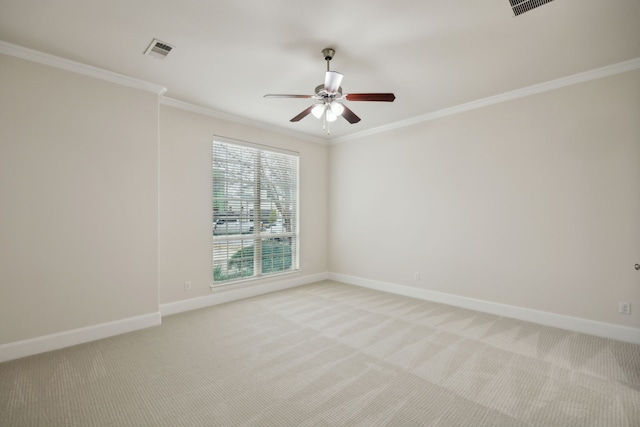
pixel 253 280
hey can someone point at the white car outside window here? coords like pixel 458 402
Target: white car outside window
pixel 277 227
pixel 232 226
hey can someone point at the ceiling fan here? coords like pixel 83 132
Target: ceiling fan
pixel 329 96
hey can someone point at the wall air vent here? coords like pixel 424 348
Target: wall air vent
pixel 158 49
pixel 521 6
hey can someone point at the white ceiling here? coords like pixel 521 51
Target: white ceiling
pixel 433 54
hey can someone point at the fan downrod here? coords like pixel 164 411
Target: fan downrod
pixel 328 55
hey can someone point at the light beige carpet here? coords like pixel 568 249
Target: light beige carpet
pixel 329 354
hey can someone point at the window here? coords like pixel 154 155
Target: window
pixel 255 211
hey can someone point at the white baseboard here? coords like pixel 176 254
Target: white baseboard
pixel 227 294
pixel 222 295
pixel 60 340
pixel 29 347
pixel 576 324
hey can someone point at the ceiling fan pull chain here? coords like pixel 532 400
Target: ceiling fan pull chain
pixel 325 124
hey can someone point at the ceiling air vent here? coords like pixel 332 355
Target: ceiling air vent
pixel 158 49
pixel 521 6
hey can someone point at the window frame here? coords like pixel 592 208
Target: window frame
pixel 287 242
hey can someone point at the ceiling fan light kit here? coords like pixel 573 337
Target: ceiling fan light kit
pixel 329 94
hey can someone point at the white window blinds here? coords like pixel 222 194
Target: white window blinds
pixel 255 212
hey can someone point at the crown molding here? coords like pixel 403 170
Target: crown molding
pixel 586 76
pixel 120 79
pixel 176 103
pixel 79 68
pixel 87 70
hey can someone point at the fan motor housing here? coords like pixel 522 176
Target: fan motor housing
pixel 319 90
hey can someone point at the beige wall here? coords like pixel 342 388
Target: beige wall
pixel 533 203
pixel 106 201
pixel 85 238
pixel 185 199
pixel 78 194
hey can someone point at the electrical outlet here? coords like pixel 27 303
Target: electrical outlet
pixel 624 307
pixel 416 276
pixel 187 286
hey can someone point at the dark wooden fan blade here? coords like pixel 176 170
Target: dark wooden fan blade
pixel 287 96
pixel 349 115
pixel 302 115
pixel 382 97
